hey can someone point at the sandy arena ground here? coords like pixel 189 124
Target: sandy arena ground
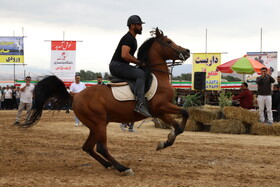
pixel 50 154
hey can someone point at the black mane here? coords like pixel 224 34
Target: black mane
pixel 142 54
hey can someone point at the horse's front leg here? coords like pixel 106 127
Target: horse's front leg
pixel 178 128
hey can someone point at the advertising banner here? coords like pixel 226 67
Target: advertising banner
pixel 269 59
pixel 208 62
pixel 63 59
pixel 11 50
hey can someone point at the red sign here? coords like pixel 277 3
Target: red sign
pixel 64 45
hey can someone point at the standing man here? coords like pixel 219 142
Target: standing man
pixel 129 125
pixel 26 95
pixel 278 80
pixel 99 81
pixel 0 97
pixel 264 95
pixel 75 88
pixel 245 97
pixel 124 55
pixel 8 95
pixel 276 103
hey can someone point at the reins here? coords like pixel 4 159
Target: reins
pixel 174 63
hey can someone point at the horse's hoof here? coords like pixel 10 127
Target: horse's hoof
pixel 128 172
pixel 160 146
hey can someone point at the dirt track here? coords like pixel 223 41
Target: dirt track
pixel 50 154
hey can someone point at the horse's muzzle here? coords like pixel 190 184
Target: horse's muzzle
pixel 184 54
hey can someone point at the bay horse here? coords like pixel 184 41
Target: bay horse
pixel 96 106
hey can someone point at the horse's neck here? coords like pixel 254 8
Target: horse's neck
pixel 159 68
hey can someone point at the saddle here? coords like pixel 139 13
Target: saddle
pixel 124 90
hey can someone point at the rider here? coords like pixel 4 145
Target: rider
pixel 123 55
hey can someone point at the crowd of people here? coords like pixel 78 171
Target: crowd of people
pixel 9 97
pixel 265 99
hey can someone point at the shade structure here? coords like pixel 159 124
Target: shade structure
pixel 243 65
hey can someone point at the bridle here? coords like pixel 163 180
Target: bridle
pixel 173 63
pixel 181 56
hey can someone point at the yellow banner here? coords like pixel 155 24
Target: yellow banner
pixel 13 59
pixel 208 62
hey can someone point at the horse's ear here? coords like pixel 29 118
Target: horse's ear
pixel 159 33
pixel 156 32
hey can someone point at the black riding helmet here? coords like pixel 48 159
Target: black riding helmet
pixel 134 20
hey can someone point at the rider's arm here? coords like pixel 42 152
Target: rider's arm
pixel 127 56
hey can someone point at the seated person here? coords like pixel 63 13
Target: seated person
pixel 245 97
pixel 275 102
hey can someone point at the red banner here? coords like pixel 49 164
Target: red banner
pixel 64 45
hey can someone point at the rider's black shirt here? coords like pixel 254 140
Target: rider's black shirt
pixel 129 40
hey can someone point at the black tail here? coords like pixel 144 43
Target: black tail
pixel 50 89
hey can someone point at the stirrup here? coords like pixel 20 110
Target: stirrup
pixel 142 109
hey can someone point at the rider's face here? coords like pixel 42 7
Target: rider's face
pixel 138 28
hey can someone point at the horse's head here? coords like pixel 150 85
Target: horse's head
pixel 170 50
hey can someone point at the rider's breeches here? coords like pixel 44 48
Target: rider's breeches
pixel 125 71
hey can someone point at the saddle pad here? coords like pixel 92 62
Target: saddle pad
pixel 123 93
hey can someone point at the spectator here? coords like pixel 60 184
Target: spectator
pixel 276 102
pixel 100 81
pixel 14 100
pixel 75 88
pixel 18 96
pixel 129 125
pixel 278 81
pixel 8 95
pixel 245 97
pixel 0 97
pixel 26 90
pixel 261 60
pixel 264 95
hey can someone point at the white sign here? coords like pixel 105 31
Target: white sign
pixel 63 59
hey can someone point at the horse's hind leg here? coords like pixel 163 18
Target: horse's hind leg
pixel 89 148
pixel 101 140
pixel 178 128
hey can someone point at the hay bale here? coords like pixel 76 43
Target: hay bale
pixel 193 126
pixel 176 116
pixel 264 129
pixel 204 115
pixel 211 107
pixel 238 113
pixel 228 126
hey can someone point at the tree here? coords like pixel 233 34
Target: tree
pixel 184 76
pixel 230 78
pixel 89 75
pixel 106 76
pixel 82 74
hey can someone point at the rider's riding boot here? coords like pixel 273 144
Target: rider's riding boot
pixel 141 108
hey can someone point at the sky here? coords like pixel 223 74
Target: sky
pixel 233 27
